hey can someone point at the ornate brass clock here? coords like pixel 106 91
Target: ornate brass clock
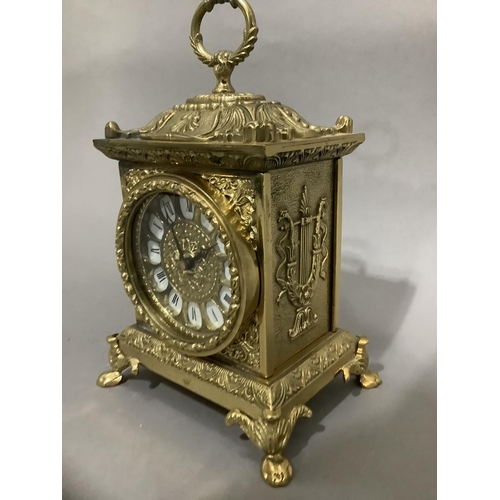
pixel 228 244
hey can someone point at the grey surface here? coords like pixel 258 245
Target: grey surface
pixel 373 60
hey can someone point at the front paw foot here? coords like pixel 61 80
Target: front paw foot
pixel 109 379
pixel 118 362
pixel 370 379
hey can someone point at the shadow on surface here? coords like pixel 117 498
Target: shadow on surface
pixel 156 380
pixel 322 404
pixel 371 305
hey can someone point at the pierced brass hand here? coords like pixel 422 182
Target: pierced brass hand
pixel 169 224
pixel 202 254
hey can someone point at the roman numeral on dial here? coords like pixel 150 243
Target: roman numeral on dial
pixel 156 226
pixel 214 315
pixel 167 209
pixel 175 302
pixel 161 279
pixel 154 253
pixel 187 208
pixel 225 297
pixel 194 315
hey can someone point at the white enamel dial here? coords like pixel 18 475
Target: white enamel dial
pixel 161 279
pixel 187 208
pixel 175 302
pixel 167 208
pixel 215 316
pixel 225 297
pixel 194 315
pixel 156 226
pixel 154 252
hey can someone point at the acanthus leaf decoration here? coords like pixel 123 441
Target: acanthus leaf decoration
pixel 253 391
pixel 240 193
pixel 246 349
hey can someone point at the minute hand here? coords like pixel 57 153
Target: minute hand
pixel 169 224
pixel 203 253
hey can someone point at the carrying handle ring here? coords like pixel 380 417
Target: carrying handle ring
pixel 224 61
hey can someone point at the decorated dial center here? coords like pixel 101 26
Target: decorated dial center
pixel 185 267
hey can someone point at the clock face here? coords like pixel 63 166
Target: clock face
pixel 183 264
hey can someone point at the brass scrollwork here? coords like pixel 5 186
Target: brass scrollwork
pixel 359 366
pixel 118 362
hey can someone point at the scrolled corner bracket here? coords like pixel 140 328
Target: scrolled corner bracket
pixel 119 362
pixel 224 61
pixel 112 130
pixel 359 366
pixel 343 125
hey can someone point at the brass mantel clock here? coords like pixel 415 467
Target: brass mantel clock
pixel 228 244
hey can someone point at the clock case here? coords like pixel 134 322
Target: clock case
pixel 281 178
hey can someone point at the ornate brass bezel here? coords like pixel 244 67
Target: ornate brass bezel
pixel 239 253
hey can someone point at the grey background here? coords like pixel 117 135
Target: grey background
pixel 374 60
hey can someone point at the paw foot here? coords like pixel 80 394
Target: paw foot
pixel 109 379
pixel 370 379
pixel 276 470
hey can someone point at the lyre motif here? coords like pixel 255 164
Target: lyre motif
pixel 303 251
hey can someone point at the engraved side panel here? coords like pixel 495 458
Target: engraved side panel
pixel 301 222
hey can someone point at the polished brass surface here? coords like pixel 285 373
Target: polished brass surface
pixel 270 185
pixel 118 362
pixel 337 240
pixel 271 433
pixel 224 61
pixel 223 116
pixel 359 366
pixel 266 409
pixel 232 118
pixel 240 257
pixel 301 219
pixel 304 252
pixel 240 193
pixel 254 157
pixel 226 385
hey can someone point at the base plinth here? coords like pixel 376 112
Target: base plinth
pixel 265 409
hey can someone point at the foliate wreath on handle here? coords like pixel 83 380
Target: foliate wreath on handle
pixel 224 61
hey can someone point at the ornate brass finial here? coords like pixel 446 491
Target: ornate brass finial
pixel 225 116
pixel 224 61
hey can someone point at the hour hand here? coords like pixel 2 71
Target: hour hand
pixel 205 251
pixel 202 254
